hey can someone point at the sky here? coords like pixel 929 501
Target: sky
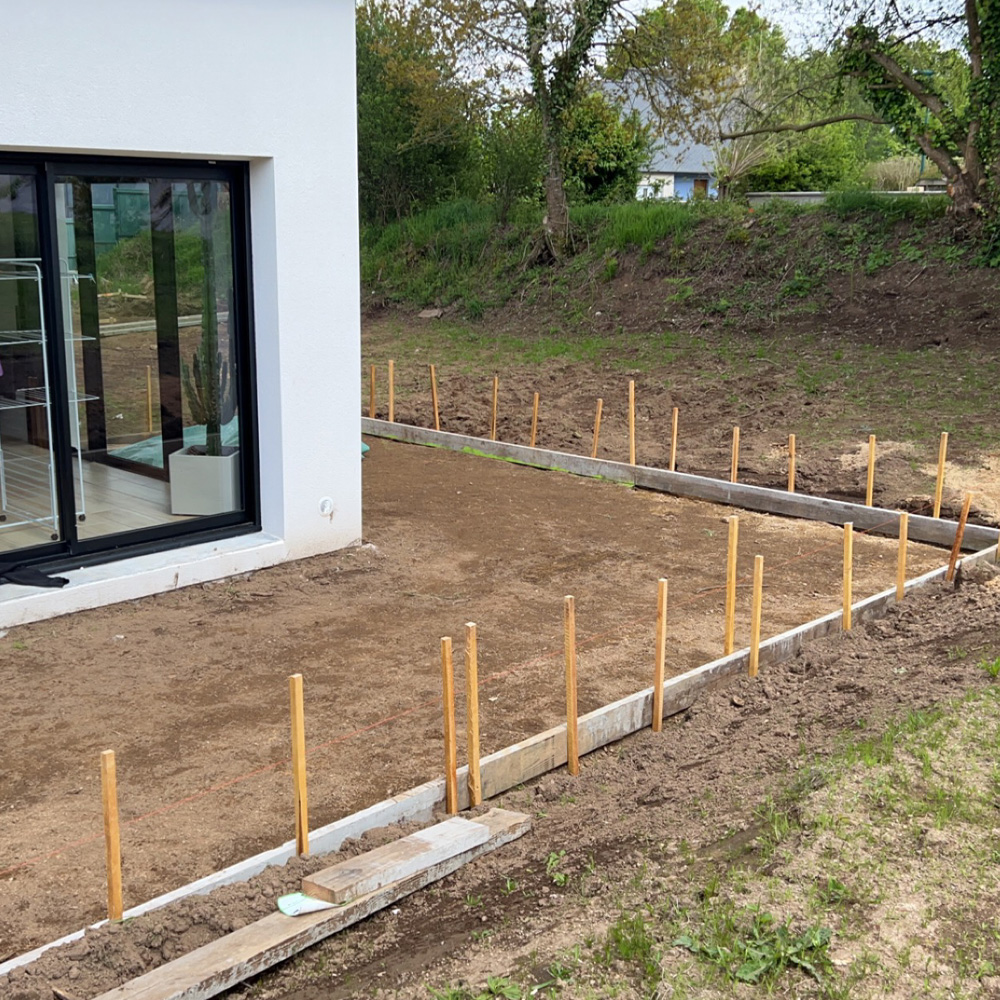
pixel 801 20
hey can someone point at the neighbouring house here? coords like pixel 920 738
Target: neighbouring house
pixel 676 172
pixel 179 294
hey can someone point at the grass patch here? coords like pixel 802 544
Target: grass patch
pixel 631 939
pixel 991 667
pixel 750 946
pixel 887 206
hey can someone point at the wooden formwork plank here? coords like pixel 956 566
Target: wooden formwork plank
pixel 222 964
pixel 934 531
pixel 392 862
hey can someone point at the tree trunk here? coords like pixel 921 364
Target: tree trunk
pixel 556 206
pixel 966 195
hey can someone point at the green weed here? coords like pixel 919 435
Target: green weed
pixel 630 939
pixel 991 667
pixel 800 286
pixel 552 863
pixel 751 946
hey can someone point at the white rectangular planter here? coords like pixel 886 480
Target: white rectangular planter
pixel 204 484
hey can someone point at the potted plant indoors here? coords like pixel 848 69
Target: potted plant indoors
pixel 205 478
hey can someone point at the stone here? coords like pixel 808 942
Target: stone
pixel 654 797
pixel 548 790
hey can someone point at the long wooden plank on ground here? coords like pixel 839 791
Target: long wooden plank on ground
pixel 395 861
pixel 217 967
pixel 935 531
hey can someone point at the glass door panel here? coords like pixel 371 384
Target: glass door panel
pixel 28 498
pixel 152 372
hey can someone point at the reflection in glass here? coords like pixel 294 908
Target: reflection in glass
pixel 148 291
pixel 28 503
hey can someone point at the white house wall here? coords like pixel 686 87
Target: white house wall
pixel 257 80
pixel 655 186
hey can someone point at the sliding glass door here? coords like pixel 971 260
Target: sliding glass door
pixel 127 365
pixel 29 514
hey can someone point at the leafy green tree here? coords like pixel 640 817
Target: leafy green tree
pixel 417 140
pixel 693 63
pixel 514 156
pixel 603 152
pixel 937 100
pixel 700 69
pixel 541 50
pixel 816 161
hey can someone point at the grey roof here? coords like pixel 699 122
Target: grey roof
pixel 667 157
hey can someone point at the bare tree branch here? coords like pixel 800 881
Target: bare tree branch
pixel 805 127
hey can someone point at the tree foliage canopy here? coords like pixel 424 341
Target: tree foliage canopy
pixel 542 50
pixel 927 69
pixel 416 122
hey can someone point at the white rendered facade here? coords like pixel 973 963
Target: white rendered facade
pixel 268 84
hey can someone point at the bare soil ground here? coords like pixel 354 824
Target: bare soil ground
pixel 835 793
pixel 189 688
pixel 827 790
pixel 829 378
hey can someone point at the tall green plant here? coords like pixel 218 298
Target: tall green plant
pixel 208 380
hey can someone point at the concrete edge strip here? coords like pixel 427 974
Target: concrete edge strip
pixel 936 531
pixel 528 759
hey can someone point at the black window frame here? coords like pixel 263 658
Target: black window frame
pixel 71 551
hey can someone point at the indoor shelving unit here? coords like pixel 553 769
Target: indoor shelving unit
pixel 27 471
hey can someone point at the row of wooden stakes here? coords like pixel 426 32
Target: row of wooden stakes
pixel 569 633
pixel 674 423
pixel 109 793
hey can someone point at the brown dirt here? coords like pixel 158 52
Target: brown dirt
pixel 189 687
pixel 639 813
pixel 657 811
pixel 829 466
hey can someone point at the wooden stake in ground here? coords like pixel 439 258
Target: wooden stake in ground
pixel 939 487
pixel 904 530
pixel 959 532
pixel 569 633
pixel 791 463
pixel 848 574
pixel 736 455
pixel 299 764
pixel 870 482
pixel 661 654
pixel 534 422
pixel 493 409
pixel 472 713
pixel 734 537
pixel 597 427
pixel 149 398
pixel 434 399
pixel 450 749
pixel 392 392
pixel 631 423
pixel 371 392
pixel 673 439
pixel 112 834
pixel 755 611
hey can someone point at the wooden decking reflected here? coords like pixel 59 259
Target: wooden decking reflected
pixel 114 500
